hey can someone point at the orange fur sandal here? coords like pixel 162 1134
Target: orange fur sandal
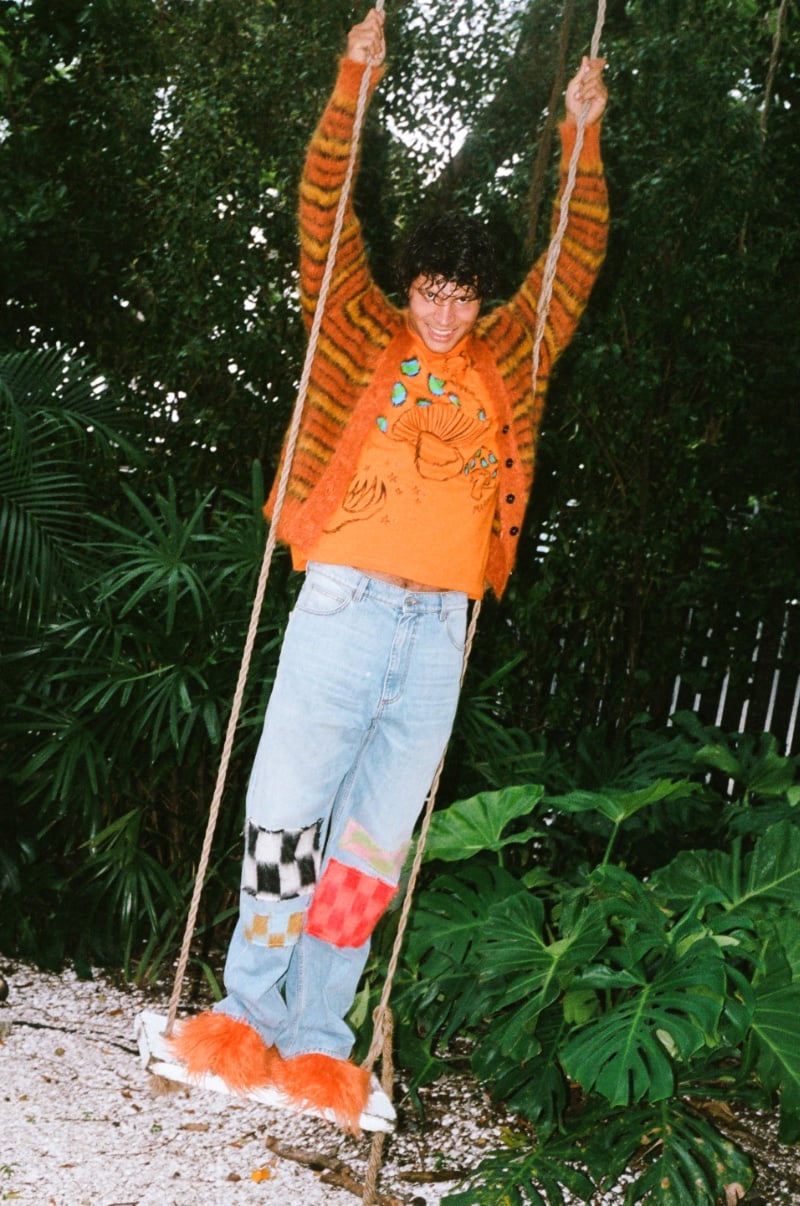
pixel 225 1047
pixel 320 1082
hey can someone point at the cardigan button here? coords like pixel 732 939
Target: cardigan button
pixel 506 429
pixel 510 498
pixel 514 531
pixel 510 463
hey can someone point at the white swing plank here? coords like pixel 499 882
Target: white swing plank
pixel 156 1057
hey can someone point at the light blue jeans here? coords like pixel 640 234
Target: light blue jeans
pixel 358 719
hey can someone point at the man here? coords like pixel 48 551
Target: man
pixel 407 492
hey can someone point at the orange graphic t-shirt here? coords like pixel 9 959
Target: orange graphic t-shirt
pixel 421 500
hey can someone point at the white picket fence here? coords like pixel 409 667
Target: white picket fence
pixel 766 698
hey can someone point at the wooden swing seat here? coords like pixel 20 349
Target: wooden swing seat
pixel 156 1057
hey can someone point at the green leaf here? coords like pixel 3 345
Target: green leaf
pixel 447 921
pixel 51 414
pixel 538 1176
pixel 629 1053
pixel 449 916
pixel 476 824
pixel 524 969
pixel 788 934
pixel 753 762
pixel 743 888
pixel 532 1082
pixel 677 1157
pixel 633 906
pixel 520 960
pixel 776 1024
pixel 719 757
pixel 773 870
pixel 691 872
pixel 618 806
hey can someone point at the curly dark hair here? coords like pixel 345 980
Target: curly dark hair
pixel 450 246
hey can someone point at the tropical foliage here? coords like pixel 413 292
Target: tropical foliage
pixel 56 421
pixel 116 689
pixel 619 954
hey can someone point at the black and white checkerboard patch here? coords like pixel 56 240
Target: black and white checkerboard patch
pixel 280 864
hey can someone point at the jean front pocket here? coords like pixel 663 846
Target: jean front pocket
pixel 456 622
pixel 323 594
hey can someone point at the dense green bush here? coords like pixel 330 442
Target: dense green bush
pixel 619 946
pixel 165 248
pixel 122 638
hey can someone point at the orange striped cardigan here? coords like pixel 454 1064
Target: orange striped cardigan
pixel 360 327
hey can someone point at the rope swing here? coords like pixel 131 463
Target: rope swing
pixel 381 1044
pixel 269 549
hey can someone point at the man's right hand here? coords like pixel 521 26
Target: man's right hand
pixel 365 42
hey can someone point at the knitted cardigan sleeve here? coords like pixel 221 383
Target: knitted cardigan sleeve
pixel 508 335
pixel 583 247
pixel 358 321
pixel 321 186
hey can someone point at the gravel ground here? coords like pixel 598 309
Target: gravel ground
pixel 82 1123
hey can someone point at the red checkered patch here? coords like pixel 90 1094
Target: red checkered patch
pixel 347 905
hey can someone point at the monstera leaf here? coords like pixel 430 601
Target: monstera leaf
pixel 744 887
pixel 451 914
pixel 675 1155
pixel 629 1053
pixel 617 806
pixel 531 1177
pixel 476 824
pixel 534 1085
pixel 679 1157
pixel 692 871
pixel 773 870
pixel 448 919
pixel 787 934
pixel 753 762
pixel 776 1025
pixel 522 965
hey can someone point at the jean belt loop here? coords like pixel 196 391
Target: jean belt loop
pixel 362 586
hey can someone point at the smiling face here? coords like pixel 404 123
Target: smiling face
pixel 441 312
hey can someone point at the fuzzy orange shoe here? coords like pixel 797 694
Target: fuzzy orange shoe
pixel 320 1082
pixel 225 1047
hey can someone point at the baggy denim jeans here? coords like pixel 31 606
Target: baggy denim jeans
pixel 359 716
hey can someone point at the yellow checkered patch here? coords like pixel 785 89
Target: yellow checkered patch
pixel 259 930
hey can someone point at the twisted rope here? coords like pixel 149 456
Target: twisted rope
pixel 554 250
pixel 772 69
pixel 382 1018
pixel 269 549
